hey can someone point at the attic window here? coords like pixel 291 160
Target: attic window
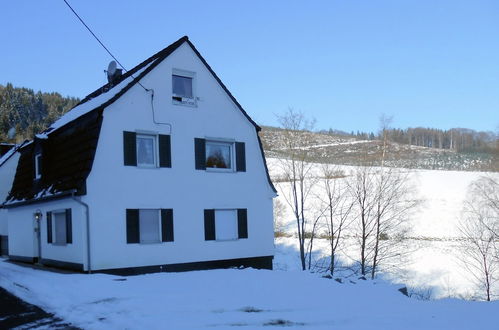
pixel 38 166
pixel 183 88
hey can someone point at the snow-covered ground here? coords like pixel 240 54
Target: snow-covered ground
pixel 232 298
pixel 253 299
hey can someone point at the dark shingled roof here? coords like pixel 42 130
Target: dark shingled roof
pixel 68 151
pixel 67 158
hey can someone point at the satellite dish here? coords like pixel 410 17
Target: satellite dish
pixel 111 70
pixel 12 133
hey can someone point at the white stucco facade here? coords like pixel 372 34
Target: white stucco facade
pixel 112 187
pixel 7 173
pixel 24 237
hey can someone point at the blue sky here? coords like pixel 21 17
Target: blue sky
pixel 426 63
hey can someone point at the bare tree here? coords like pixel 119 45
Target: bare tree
pixel 311 234
pixel 484 194
pixel 479 226
pixel 394 203
pixel 361 188
pixel 384 200
pixel 384 124
pixel 479 253
pixel 297 181
pixel 336 206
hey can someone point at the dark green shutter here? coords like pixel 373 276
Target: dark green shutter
pixel 200 153
pixel 240 157
pixel 69 227
pixel 209 225
pixel 167 225
pixel 49 227
pixel 242 223
pixel 165 154
pixel 130 148
pixel 132 226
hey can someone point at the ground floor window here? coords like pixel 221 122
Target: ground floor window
pixel 59 227
pixel 225 224
pixel 147 226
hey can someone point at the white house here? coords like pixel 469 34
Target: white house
pixel 8 165
pixel 159 170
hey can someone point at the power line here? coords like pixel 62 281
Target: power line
pixel 96 38
pixel 101 43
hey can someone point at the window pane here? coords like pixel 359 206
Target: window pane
pixel 182 86
pixel 38 165
pixel 60 228
pixel 145 150
pixel 225 225
pixel 149 226
pixel 218 155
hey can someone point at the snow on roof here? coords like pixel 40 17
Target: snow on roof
pixel 91 104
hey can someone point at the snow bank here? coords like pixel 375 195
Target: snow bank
pixel 228 298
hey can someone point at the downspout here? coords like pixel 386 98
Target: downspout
pixel 87 212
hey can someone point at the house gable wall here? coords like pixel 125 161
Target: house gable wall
pixel 113 187
pixel 7 173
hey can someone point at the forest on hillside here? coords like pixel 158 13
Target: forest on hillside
pixel 456 139
pixel 29 112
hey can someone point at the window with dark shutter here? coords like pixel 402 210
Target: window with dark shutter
pixel 132 226
pixel 240 157
pixel 242 223
pixel 130 148
pixel 200 153
pixel 69 227
pixel 167 225
pixel 165 156
pixel 49 227
pixel 209 225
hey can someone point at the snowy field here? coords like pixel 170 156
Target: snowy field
pixel 434 263
pixel 233 298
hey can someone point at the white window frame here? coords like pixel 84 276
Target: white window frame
pixel 154 137
pixel 159 228
pixel 54 227
pixel 231 144
pixel 217 225
pixel 38 158
pixel 186 101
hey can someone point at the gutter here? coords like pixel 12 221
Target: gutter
pixel 38 200
pixel 87 213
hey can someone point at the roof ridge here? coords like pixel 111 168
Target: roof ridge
pixel 129 73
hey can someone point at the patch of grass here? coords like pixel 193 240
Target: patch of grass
pixel 281 234
pixel 250 309
pixel 282 323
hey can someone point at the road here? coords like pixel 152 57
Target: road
pixel 16 313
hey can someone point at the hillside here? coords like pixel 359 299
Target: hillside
pixel 347 150
pixel 29 112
